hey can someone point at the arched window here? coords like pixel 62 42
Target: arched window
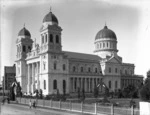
pixel 89 69
pixel 55 84
pixel 95 70
pixel 81 69
pixel 57 39
pixel 131 72
pixel 44 84
pixel 126 72
pixel 103 45
pixel 45 38
pixel 55 66
pixel 24 48
pixel 64 86
pixel 109 84
pixel 109 70
pixel 64 67
pixel 74 68
pixel 51 38
pixel 42 39
pixel 29 48
pixel 116 84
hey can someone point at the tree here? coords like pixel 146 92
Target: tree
pixel 83 95
pixel 130 92
pixel 145 90
pixel 95 92
pixel 148 74
pixel 78 93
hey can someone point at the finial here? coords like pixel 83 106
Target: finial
pixel 24 25
pixel 105 27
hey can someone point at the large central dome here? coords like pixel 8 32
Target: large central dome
pixel 50 17
pixel 105 33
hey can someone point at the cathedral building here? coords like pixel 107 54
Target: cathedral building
pixel 46 66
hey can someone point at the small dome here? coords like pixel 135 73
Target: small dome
pixel 105 33
pixel 24 32
pixel 50 17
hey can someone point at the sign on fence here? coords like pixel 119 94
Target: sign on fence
pixel 144 108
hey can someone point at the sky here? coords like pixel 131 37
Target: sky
pixel 80 21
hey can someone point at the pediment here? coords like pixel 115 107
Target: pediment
pixel 114 60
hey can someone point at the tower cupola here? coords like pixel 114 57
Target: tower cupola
pixel 105 42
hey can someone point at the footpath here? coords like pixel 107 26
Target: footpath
pixel 41 108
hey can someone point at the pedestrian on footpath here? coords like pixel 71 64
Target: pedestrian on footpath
pixel 30 104
pixel 34 104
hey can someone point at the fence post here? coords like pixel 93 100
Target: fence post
pixel 132 110
pixel 25 100
pixel 70 105
pixel 82 107
pixel 60 104
pixel 43 102
pixel 95 108
pixel 112 109
pixel 51 103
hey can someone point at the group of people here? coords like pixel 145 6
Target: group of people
pixel 32 104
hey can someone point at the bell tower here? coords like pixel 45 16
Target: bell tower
pixel 24 45
pixel 50 34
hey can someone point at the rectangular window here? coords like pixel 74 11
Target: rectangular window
pixel 44 84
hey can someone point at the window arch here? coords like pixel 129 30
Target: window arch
pixel 51 38
pixel 55 84
pixel 81 69
pixel 57 39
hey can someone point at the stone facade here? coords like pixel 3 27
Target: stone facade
pixel 45 66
